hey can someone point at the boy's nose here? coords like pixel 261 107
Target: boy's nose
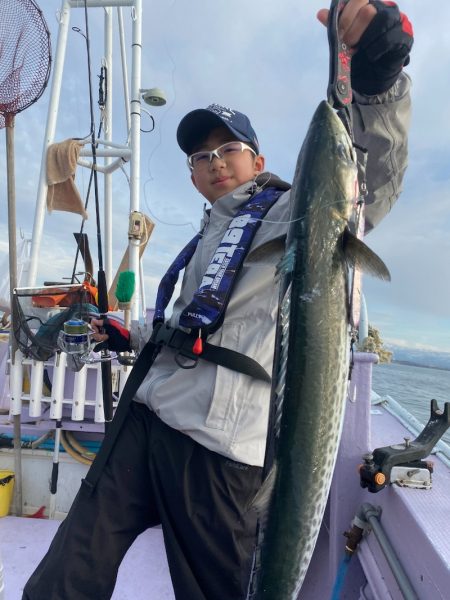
pixel 216 162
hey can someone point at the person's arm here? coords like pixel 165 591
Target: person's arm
pixel 139 335
pixel 118 337
pixel 380 38
pixel 381 125
pixel 382 105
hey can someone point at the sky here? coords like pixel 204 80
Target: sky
pixel 270 61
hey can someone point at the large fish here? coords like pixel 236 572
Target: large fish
pixel 311 359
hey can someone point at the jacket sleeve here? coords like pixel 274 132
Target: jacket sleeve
pixel 139 335
pixel 381 126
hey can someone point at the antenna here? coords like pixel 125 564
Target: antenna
pixel 154 96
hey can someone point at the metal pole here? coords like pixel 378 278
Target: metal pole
pixel 12 227
pixel 49 137
pixel 123 57
pixel 108 138
pixel 135 146
pixel 371 515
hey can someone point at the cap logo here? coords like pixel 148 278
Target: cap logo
pixel 223 112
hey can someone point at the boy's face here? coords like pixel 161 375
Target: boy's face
pixel 222 176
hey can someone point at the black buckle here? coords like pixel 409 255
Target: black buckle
pixel 164 335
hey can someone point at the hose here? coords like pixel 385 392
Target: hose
pixel 71 439
pixel 73 453
pixel 36 443
pixel 340 577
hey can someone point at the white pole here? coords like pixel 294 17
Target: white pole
pixel 37 378
pixel 143 298
pixel 123 57
pixel 123 376
pixel 100 3
pixel 59 372
pixel 99 413
pixel 2 581
pixel 16 383
pixel 363 329
pixel 54 477
pixel 135 146
pixel 79 394
pixel 55 91
pixel 108 138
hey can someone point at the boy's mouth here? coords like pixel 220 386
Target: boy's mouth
pixel 220 180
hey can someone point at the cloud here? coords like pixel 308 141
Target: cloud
pixel 269 60
pixel 412 345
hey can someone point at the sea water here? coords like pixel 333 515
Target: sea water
pixel 413 387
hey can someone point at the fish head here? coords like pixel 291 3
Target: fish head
pixel 337 164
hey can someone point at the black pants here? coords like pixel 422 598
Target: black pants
pixel 156 475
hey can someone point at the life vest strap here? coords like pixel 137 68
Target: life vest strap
pixel 182 342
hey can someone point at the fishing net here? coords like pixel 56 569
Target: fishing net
pixel 39 315
pixel 25 56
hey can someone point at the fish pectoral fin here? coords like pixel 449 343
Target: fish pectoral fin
pixel 261 501
pixel 359 255
pixel 287 262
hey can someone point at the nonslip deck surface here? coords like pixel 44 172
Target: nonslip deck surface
pixel 143 575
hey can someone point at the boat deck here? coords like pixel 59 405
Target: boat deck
pixel 414 520
pixel 23 542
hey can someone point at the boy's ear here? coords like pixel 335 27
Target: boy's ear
pixel 193 180
pixel 260 161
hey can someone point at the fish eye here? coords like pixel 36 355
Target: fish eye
pixel 341 150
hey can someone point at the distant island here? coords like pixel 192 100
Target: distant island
pixel 420 358
pixel 417 364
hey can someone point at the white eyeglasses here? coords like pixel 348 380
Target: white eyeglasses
pixel 201 160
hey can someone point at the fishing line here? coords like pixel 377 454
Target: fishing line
pixel 92 135
pixel 253 219
pixel 159 144
pixel 298 218
pixel 170 224
pixel 86 202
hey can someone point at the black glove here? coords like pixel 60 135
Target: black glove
pixel 383 50
pixel 118 337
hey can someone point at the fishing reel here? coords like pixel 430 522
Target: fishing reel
pixel 76 339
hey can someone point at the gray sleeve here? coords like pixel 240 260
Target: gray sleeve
pixel 139 335
pixel 381 126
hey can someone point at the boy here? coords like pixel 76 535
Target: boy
pixel 190 451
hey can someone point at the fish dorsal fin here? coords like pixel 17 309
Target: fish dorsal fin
pixel 359 255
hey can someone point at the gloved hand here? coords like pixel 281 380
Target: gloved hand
pixel 382 51
pixel 118 338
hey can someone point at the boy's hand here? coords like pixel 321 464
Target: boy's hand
pixel 118 337
pixel 381 38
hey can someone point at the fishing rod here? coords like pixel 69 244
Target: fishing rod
pixel 339 90
pixel 82 242
pixel 340 96
pixel 101 277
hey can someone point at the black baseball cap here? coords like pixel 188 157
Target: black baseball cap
pixel 196 125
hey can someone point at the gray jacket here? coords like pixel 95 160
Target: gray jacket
pixel 224 410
